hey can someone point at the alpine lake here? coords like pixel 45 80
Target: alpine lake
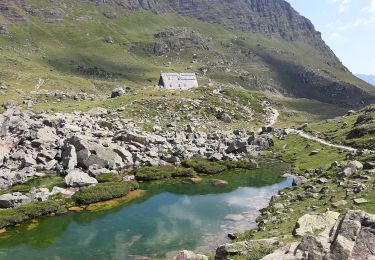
pixel 170 216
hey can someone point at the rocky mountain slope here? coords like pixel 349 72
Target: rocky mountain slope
pixel 93 46
pixel 368 78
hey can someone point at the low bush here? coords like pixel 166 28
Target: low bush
pixel 204 166
pixel 162 172
pixel 10 217
pixel 108 177
pixel 247 165
pixel 183 173
pixel 103 191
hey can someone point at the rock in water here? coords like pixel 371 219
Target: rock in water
pixel 78 178
pixel 218 183
pixel 234 217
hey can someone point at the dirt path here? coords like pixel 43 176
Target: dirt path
pixel 319 140
pixel 274 117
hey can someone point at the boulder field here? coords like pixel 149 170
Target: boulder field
pixel 80 146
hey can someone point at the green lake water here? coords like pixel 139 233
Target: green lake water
pixel 169 218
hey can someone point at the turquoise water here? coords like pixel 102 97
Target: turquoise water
pixel 171 217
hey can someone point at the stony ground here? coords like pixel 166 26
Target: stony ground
pixel 55 157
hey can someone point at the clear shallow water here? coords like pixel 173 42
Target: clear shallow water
pixel 169 218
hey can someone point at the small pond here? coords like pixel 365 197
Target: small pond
pixel 170 217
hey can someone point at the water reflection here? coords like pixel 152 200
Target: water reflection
pixel 171 217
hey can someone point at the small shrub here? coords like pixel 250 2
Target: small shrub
pixel 204 166
pixel 162 172
pixel 108 177
pixel 183 173
pixel 21 188
pixel 10 217
pixel 153 173
pixel 247 165
pixel 103 191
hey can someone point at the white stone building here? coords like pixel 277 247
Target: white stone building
pixel 178 81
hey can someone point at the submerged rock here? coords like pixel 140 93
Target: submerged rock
pixel 218 183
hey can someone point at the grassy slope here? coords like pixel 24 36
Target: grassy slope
pixel 339 130
pixel 54 51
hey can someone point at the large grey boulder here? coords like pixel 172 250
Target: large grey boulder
pixel 264 141
pixel 13 200
pixel 46 135
pixel 28 160
pixel 4 151
pixel 350 238
pixel 66 192
pixel 227 251
pixel 78 178
pixel 9 178
pixel 104 158
pixel 310 223
pixel 189 255
pixel 347 234
pixel 117 92
pixel 41 194
pixel 69 157
pixel 98 111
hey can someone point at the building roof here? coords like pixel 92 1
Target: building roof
pixel 178 80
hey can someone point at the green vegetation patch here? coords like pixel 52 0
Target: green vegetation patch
pixel 256 253
pixel 356 130
pixel 164 172
pixel 43 182
pixel 299 151
pixel 11 217
pixel 108 177
pixel 103 191
pixel 205 166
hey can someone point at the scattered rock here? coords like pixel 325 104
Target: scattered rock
pixel 227 251
pixel 314 152
pixel 188 255
pixel 39 194
pixel 65 192
pixel 308 224
pixel 360 201
pixel 78 178
pixel 117 92
pixel 75 209
pixel 339 203
pixel 13 200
